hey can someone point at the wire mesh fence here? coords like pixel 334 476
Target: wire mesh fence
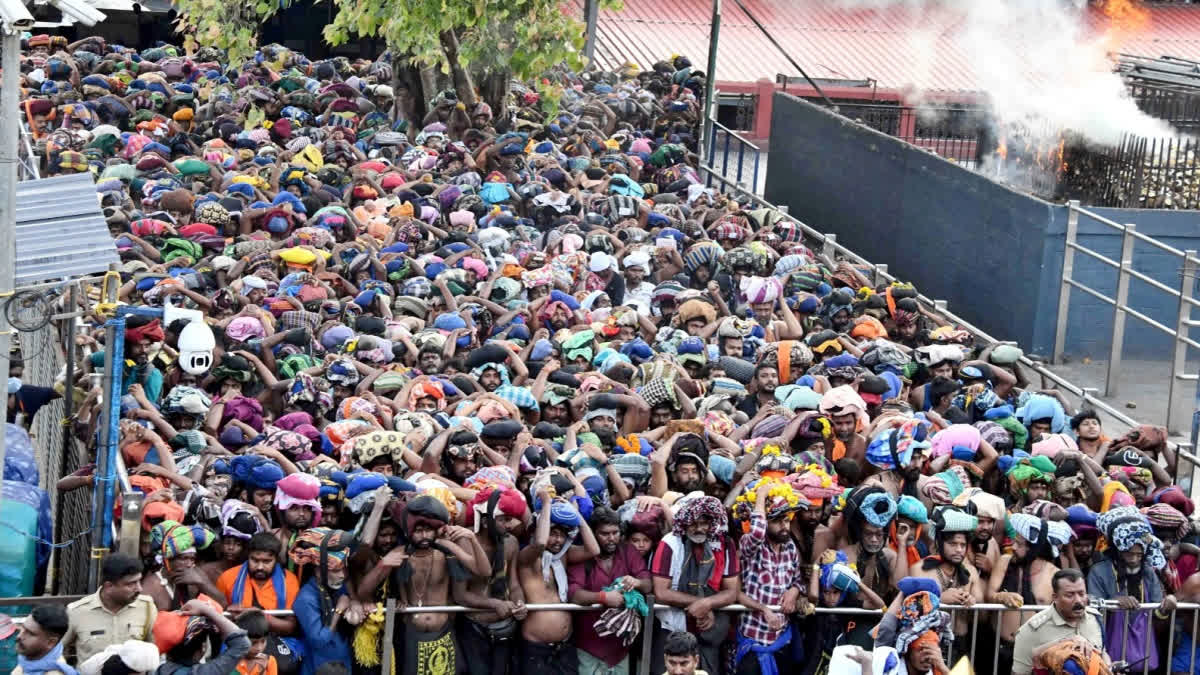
pixel 58 454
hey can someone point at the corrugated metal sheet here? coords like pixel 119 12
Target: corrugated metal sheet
pixel 61 231
pixel 836 42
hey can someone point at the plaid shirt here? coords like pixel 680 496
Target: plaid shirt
pixel 766 575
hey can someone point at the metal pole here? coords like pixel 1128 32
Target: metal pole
pixel 10 52
pixel 1179 363
pixel 69 385
pixel 389 632
pixel 591 15
pixel 1118 331
pixel 829 247
pixel 1064 289
pixel 106 469
pixel 647 638
pixel 710 82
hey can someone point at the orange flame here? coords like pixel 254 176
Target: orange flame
pixel 1002 149
pixel 1125 18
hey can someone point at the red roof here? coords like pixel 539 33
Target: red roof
pixel 838 43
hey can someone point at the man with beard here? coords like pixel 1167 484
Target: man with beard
pixel 262 583
pixel 1029 480
pixel 1128 574
pixel 680 464
pixel 771 576
pixel 988 510
pixel 491 376
pixel 618 563
pixel 556 401
pixel 296 499
pixel 848 413
pixel 696 571
pixel 1023 577
pixel 766 378
pixel 429 359
pixel 138 343
pixel 1068 616
pixel 489 638
pixel 960 584
pixel 543 575
pixel 454 453
pixel 809 530
pixel 869 513
pixel 322 600
pixel 899 453
pixel 432 569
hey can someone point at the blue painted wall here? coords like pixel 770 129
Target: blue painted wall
pixel 993 253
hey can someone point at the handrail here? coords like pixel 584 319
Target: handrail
pixel 1108 605
pixel 830 244
pixel 735 134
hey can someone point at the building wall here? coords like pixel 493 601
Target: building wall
pixel 993 253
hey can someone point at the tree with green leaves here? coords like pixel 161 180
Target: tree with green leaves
pixel 496 39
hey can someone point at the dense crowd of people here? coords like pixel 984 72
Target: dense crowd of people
pixel 506 358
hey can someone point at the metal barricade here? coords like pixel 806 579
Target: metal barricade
pixel 1183 294
pixel 989 612
pixel 725 144
pixel 826 244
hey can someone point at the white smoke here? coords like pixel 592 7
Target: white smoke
pixel 1041 69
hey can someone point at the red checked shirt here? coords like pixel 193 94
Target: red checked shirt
pixel 766 575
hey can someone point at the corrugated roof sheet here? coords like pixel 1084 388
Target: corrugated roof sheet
pixel 836 42
pixel 61 231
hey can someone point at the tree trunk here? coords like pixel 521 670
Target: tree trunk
pixel 494 89
pixel 462 79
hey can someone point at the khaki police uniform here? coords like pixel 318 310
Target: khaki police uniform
pixel 1048 626
pixel 93 627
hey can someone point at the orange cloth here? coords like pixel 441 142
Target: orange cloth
pixel 263 664
pixel 256 594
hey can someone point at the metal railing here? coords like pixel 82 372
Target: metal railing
pixel 29 162
pixel 647 629
pixel 725 144
pixel 828 245
pixel 956 133
pixel 1183 295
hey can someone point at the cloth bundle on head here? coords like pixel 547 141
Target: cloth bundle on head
pixel 299 489
pixel 955 436
pixel 1030 470
pixel 873 505
pixel 942 488
pixel 912 508
pixel 238 521
pixel 921 622
pixel 760 290
pixel 492 502
pixel 844 400
pixel 425 510
pixel 1168 518
pixel 170 539
pixel 135 655
pixel 981 503
pixel 1051 534
pixel 947 520
pixel 815 484
pixel 892 449
pixel 1125 526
